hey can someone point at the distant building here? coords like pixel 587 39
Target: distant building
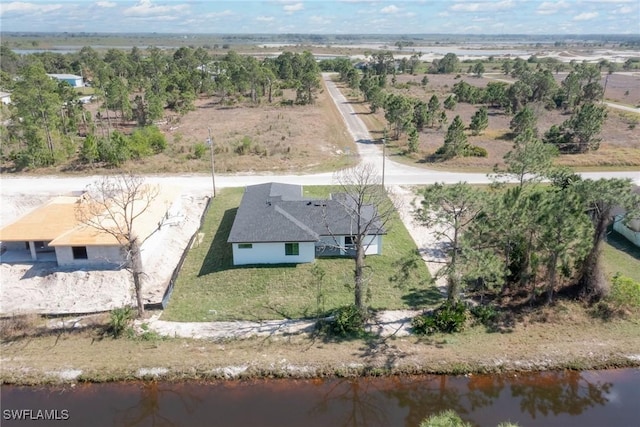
pixel 72 79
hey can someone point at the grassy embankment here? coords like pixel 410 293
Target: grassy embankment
pixel 210 288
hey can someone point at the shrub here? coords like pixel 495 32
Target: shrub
pixel 447 318
pixel 244 147
pixel 348 321
pixel 198 150
pixel 485 314
pixel 625 291
pixel 475 151
pixel 119 321
pixel 446 418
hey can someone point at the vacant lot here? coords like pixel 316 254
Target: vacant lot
pixel 620 146
pixel 265 137
pixel 211 288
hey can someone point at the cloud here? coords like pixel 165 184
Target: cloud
pixel 106 4
pixel 265 19
pixel 390 9
pixel 585 16
pixel 322 20
pixel 551 7
pixel 220 14
pixel 482 6
pixel 290 8
pixel 146 8
pixel 23 7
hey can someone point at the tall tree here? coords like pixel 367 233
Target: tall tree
pixel 36 114
pixel 399 112
pixel 479 121
pixel 370 209
pixel 455 141
pixel 530 160
pixel 600 198
pixel 523 120
pixel 450 210
pixel 113 205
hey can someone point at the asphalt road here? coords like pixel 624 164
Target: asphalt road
pixel 395 173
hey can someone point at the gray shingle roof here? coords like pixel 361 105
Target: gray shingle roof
pixel 276 212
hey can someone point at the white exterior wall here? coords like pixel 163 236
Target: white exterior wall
pixel 628 233
pixel 96 256
pixel 272 253
pixel 375 248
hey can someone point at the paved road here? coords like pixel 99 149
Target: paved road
pixel 396 173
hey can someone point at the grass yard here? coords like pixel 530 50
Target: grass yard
pixel 620 256
pixel 210 288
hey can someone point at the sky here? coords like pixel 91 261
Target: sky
pixel 324 16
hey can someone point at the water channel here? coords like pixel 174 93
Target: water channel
pixel 559 398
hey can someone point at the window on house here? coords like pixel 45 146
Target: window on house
pixel 79 252
pixel 245 245
pixel 349 240
pixel 292 249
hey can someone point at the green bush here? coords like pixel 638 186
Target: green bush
pixel 625 291
pixel 449 418
pixel 447 318
pixel 475 151
pixel 119 321
pixel 348 321
pixel 485 314
pixel 199 150
pixel 446 418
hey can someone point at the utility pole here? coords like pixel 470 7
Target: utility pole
pixel 384 153
pixel 213 169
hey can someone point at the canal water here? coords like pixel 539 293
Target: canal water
pixel 562 398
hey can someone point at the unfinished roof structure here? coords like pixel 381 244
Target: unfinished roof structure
pixel 55 226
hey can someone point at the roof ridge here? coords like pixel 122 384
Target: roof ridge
pixel 296 221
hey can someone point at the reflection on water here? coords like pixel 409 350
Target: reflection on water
pixel 541 399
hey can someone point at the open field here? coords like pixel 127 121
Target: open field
pixel 563 336
pixel 248 138
pixel 620 146
pixel 210 288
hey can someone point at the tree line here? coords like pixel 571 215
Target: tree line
pixel 579 94
pixel 527 238
pixel 47 124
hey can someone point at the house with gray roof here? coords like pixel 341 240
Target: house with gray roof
pixel 275 224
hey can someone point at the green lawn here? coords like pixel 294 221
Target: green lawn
pixel 211 288
pixel 620 256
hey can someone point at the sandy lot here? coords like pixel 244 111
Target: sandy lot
pixel 47 289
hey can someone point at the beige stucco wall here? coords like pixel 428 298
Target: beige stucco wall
pixel 108 256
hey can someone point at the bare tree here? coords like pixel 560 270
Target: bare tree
pixel 369 209
pixel 112 205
